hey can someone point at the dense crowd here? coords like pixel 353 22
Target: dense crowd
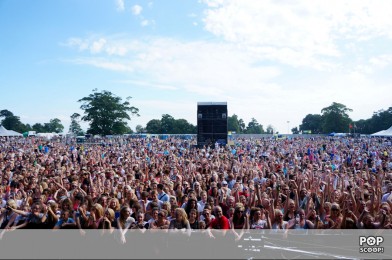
pixel 124 183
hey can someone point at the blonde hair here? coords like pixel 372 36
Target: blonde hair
pixel 239 206
pixel 167 204
pixel 328 204
pixel 117 208
pixel 52 204
pixel 98 207
pixel 181 212
pixel 111 214
pixel 12 203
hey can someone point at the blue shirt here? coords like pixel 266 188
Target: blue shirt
pixel 163 197
pixel 61 221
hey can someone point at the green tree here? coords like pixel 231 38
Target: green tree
pixel 381 120
pixel 313 123
pixel 182 126
pixel 167 124
pixel 106 113
pixel 139 129
pixel 361 126
pixel 170 125
pixel 242 125
pixel 12 122
pixel 234 124
pixel 54 126
pixel 270 129
pixel 74 127
pixel 39 128
pixel 154 126
pixel 254 127
pixel 121 128
pixel 6 113
pixel 295 130
pixel 28 128
pixel 335 118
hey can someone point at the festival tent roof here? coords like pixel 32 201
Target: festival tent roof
pixel 47 135
pixel 15 133
pixel 387 132
pixel 5 132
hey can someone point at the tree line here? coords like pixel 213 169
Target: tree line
pixel 335 118
pixel 12 122
pixel 107 114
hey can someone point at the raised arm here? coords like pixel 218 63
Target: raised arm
pixel 20 212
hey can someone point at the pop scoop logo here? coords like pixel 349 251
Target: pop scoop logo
pixel 371 244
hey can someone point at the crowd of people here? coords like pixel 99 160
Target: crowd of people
pixel 123 183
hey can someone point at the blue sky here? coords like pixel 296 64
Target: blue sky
pixel 276 61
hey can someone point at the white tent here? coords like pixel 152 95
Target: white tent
pixel 387 132
pixel 5 132
pixel 47 135
pixel 15 133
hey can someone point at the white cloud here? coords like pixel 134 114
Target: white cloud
pixel 77 42
pixel 145 23
pixel 205 71
pixel 104 64
pixel 306 32
pixel 222 67
pixel 120 5
pixel 98 46
pixel 137 9
pixel 276 61
pixel 381 61
pixel 145 83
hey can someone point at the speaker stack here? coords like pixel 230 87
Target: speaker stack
pixel 211 123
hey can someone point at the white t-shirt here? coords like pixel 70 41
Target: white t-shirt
pixel 202 204
pixel 260 224
pixel 276 226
